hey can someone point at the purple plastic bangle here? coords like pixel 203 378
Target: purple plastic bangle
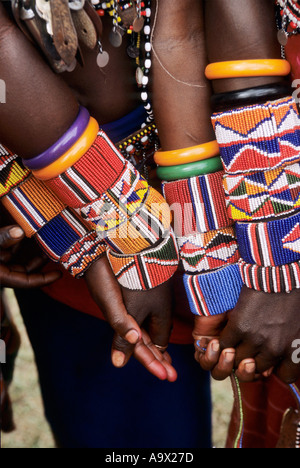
pixel 62 145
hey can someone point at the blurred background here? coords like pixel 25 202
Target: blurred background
pixel 32 428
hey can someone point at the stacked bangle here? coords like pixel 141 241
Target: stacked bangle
pixel 247 68
pixel 262 195
pixel 12 172
pixel 187 155
pixel 259 137
pixel 63 145
pixel 198 204
pixel 149 269
pixel 210 251
pixel 187 171
pixel 273 243
pixel 72 155
pixel 250 96
pixel 214 293
pixel 279 279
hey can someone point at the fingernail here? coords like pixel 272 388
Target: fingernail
pixel 230 356
pixel 132 337
pixel 16 233
pixel 250 367
pixel 118 358
pixel 216 347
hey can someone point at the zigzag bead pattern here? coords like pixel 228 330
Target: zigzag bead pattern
pixel 262 195
pixel 259 137
pixel 149 269
pixel 210 251
pixel 12 171
pixel 273 243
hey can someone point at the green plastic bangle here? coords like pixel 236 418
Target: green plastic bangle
pixel 186 171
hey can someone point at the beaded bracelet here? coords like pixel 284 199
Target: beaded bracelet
pixel 149 269
pixel 187 155
pixel 273 243
pixel 62 145
pixel 250 96
pixel 144 229
pixel 32 205
pixel 71 156
pixel 247 68
pixel 279 279
pixel 210 251
pixel 12 172
pixel 262 195
pixel 214 293
pixel 198 204
pixel 260 137
pixel 187 171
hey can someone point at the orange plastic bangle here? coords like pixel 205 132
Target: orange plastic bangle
pixel 247 68
pixel 71 156
pixel 187 155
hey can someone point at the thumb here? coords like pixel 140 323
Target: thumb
pixel 10 235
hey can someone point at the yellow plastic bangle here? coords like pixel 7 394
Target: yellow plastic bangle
pixel 187 155
pixel 71 156
pixel 247 68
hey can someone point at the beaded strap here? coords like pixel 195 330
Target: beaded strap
pixel 12 171
pixel 144 229
pixel 198 204
pixel 273 243
pixel 149 269
pixel 214 293
pixel 32 205
pixel 279 279
pixel 210 251
pixel 262 195
pixel 259 137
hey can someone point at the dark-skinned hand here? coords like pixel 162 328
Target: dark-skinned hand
pixel 260 333
pixel 126 311
pixel 21 276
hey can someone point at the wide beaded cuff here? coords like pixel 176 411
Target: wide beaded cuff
pixel 12 171
pixel 214 293
pixel 148 269
pixel 279 279
pixel 198 204
pixel 262 195
pixel 210 251
pixel 259 137
pixel 273 243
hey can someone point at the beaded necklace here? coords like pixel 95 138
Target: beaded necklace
pixel 290 22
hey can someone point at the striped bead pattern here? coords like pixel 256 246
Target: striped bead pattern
pixel 263 195
pixel 198 204
pixel 279 279
pixel 273 243
pixel 259 137
pixel 32 204
pixel 61 233
pixel 83 254
pixel 89 178
pixel 12 171
pixel 210 251
pixel 144 229
pixel 214 293
pixel 119 203
pixel 149 269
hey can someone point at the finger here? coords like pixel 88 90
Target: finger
pixel 171 372
pixel 121 351
pixel 246 371
pixel 265 362
pixel 210 358
pixel 268 373
pixel 19 280
pixel 245 351
pixel 159 329
pixel 210 326
pixel 225 366
pixel 10 236
pixel 36 264
pixel 230 337
pixel 288 371
pixel 146 357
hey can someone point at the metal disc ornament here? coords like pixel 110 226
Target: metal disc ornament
pixel 138 24
pixel 283 37
pixel 102 59
pixel 133 52
pixel 115 38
